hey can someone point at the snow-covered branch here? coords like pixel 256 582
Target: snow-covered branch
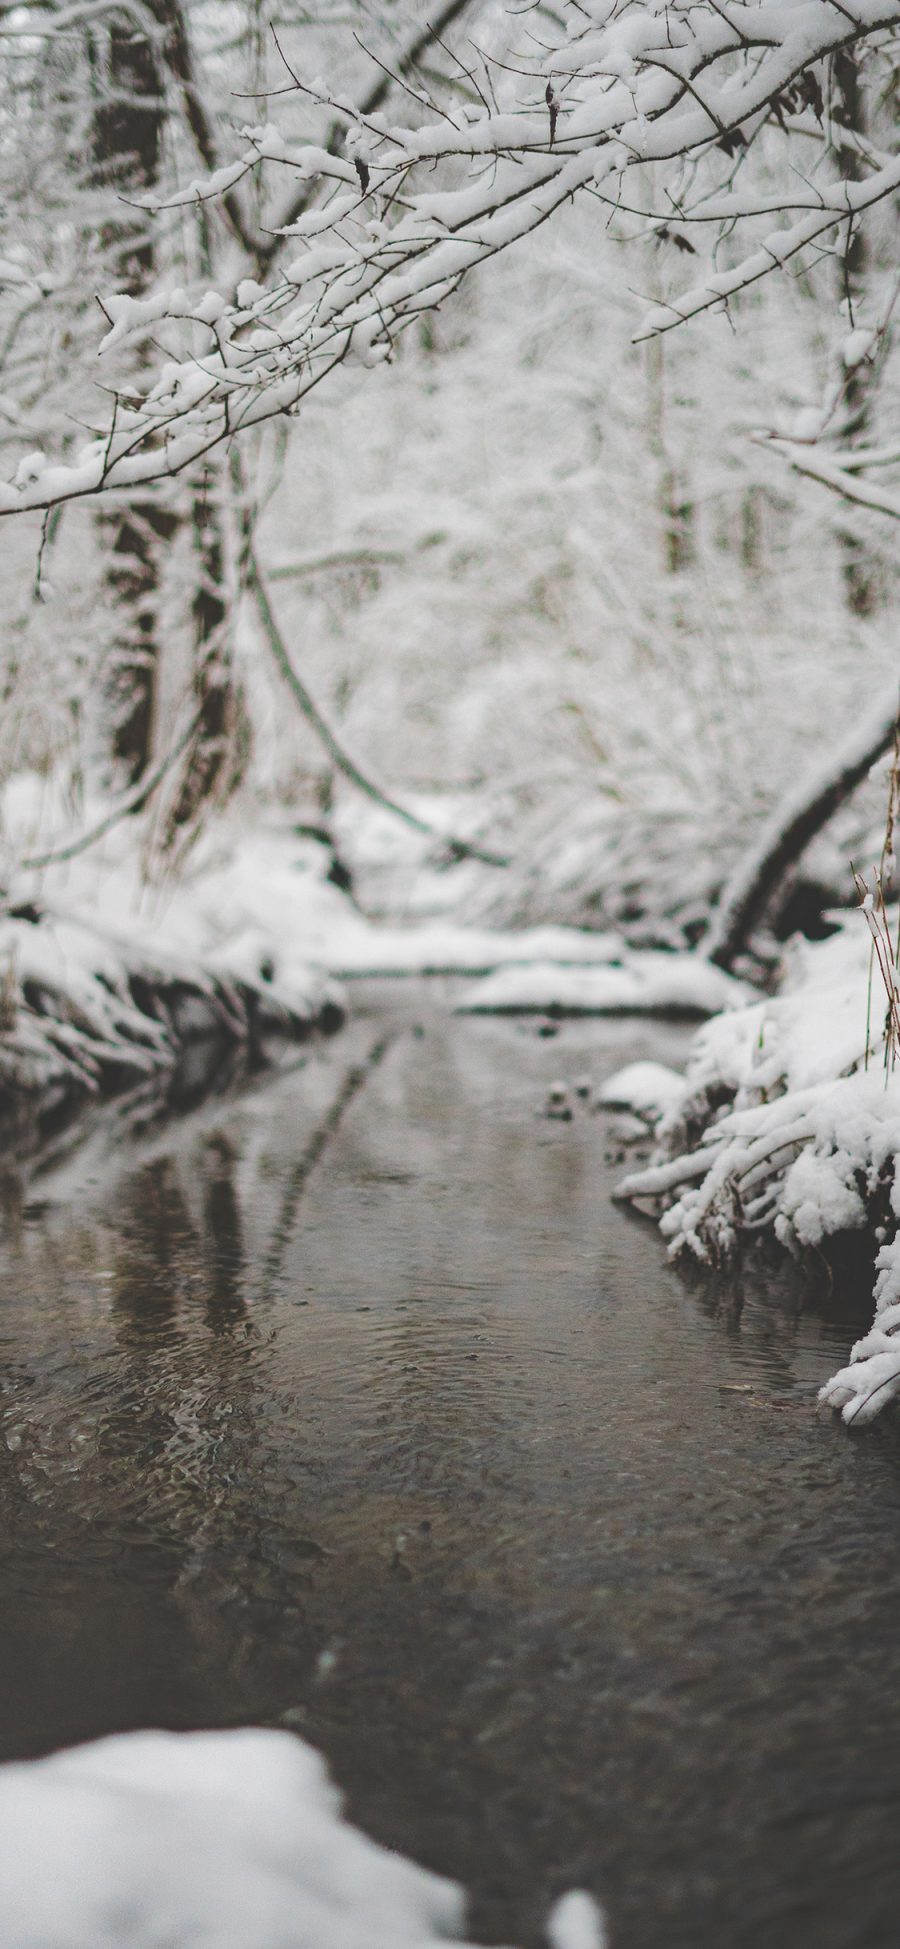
pixel 841 472
pixel 406 212
pixel 832 204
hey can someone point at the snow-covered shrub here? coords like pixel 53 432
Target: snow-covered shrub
pixel 786 1125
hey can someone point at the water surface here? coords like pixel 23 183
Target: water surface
pixel 351 1403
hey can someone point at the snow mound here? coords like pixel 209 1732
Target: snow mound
pixel 647 1088
pixel 226 1840
pixel 786 1123
pixel 639 982
pixel 230 1840
pixel 443 947
pixel 575 1922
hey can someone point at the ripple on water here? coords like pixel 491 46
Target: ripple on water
pixel 423 1449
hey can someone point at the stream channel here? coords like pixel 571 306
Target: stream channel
pixel 351 1403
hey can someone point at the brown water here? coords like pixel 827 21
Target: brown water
pixel 352 1403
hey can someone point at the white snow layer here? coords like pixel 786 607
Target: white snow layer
pixel 87 1009
pixel 576 1923
pixel 639 981
pixel 257 893
pixel 254 907
pixel 647 1088
pixel 799 1134
pixel 224 1840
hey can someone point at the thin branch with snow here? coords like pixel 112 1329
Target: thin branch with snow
pixel 610 94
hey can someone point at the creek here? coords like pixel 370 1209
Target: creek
pixel 350 1402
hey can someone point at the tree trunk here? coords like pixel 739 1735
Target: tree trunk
pixel 134 543
pixel 127 141
pixel 674 502
pixel 129 127
pixel 860 572
pixel 219 750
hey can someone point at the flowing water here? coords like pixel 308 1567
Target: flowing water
pixel 351 1403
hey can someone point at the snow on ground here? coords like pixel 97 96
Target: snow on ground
pixel 635 981
pixel 255 897
pixel 224 1840
pixel 88 1011
pixel 785 1124
pixel 110 963
pixel 647 1088
pixel 249 901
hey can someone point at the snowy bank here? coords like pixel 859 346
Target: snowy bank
pixel 255 896
pixel 111 964
pixel 85 1012
pixel 785 1124
pixel 633 981
pixel 108 981
pixel 231 1840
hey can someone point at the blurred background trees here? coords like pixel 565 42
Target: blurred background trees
pixel 544 580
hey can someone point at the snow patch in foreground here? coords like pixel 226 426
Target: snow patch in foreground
pixel 223 1840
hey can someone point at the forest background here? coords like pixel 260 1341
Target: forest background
pixel 559 587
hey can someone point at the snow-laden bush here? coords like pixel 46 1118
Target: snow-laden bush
pixel 788 1125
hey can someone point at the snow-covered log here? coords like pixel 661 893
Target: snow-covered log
pixel 637 982
pixel 787 1124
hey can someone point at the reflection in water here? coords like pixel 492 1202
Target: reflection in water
pixel 314 1150
pixel 226 1307
pixel 353 1404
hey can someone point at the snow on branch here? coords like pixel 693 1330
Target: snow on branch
pixel 37 22
pixel 841 473
pixel 678 91
pixel 844 467
pixel 831 204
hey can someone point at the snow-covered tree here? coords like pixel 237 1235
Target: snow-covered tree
pixel 312 257
pixel 710 121
pixel 114 103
